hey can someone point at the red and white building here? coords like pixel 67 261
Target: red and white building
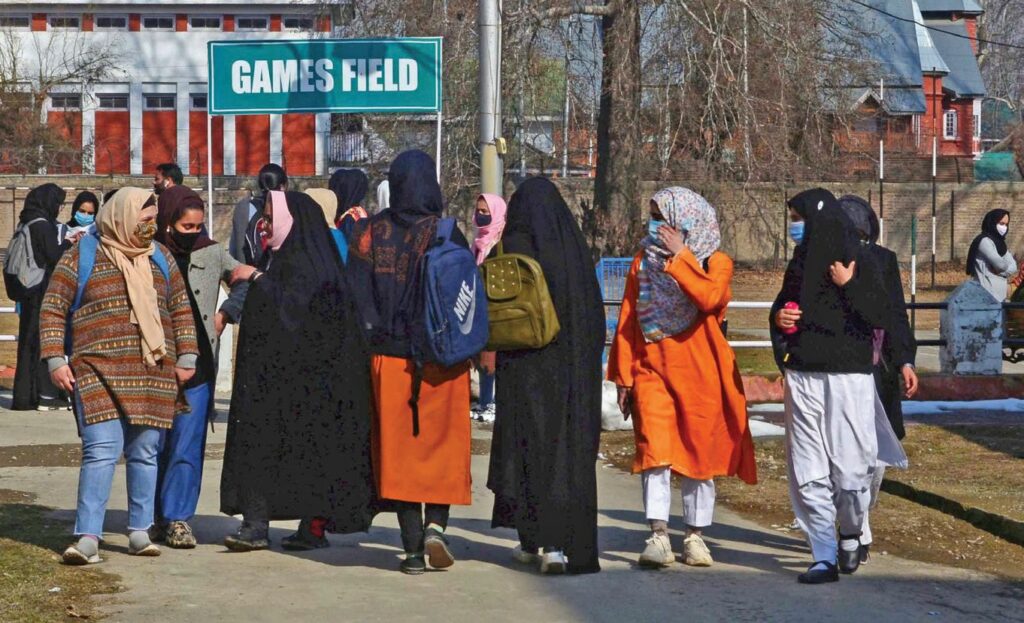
pixel 152 108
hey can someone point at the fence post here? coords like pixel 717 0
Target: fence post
pixel 952 226
pixel 913 274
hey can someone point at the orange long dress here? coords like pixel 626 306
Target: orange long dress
pixel 432 467
pixel 689 411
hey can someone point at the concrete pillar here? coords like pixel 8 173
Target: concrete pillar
pixel 89 103
pixel 135 126
pixel 276 138
pixel 972 326
pixel 184 108
pixel 229 145
pixel 323 131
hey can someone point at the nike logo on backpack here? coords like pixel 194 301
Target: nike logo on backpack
pixel 465 307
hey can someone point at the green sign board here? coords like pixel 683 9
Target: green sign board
pixel 325 75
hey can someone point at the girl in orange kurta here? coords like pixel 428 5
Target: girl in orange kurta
pixel 676 373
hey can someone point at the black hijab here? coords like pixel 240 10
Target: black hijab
pixel 831 237
pixel 386 249
pixel 83 197
pixel 350 186
pixel 545 440
pixel 988 230
pixel 43 202
pixel 863 217
pixel 171 206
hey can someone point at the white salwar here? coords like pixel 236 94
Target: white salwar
pixel 698 498
pixel 866 537
pixel 836 434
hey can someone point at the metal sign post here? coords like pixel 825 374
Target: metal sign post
pixel 209 173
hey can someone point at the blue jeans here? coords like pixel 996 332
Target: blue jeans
pixel 181 459
pixel 486 389
pixel 102 445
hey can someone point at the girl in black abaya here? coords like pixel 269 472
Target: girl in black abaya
pixel 548 400
pixel 298 432
pixel 33 388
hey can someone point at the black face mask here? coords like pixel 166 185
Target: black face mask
pixel 483 220
pixel 184 241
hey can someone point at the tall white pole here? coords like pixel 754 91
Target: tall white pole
pixel 489 27
pixel 437 159
pixel 209 172
pixel 881 192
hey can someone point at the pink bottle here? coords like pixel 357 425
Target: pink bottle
pixel 793 329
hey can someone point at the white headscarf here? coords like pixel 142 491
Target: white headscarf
pixel 383 197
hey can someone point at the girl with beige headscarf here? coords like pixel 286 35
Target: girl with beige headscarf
pixel 133 342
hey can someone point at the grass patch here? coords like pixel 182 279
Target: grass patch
pixel 30 546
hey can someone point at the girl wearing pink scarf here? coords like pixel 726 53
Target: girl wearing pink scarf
pixel 489 222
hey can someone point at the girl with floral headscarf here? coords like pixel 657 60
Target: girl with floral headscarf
pixel 677 375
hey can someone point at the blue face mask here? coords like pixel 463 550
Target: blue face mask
pixel 652 227
pixel 84 219
pixel 796 231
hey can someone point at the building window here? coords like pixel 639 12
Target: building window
pixel 65 101
pixel 951 125
pixel 198 101
pixel 15 22
pixel 65 22
pixel 159 101
pixel 294 22
pixel 158 22
pixel 113 101
pixel 252 22
pixel 204 22
pixel 111 22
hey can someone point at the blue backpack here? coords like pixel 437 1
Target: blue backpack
pixel 87 248
pixel 453 307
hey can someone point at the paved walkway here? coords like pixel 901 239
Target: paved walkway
pixel 754 578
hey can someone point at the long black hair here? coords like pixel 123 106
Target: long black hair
pixel 988 230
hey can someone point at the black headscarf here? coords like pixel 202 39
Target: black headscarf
pixel 350 186
pixel 831 237
pixel 545 439
pixel 43 202
pixel 83 197
pixel 863 217
pixel 306 449
pixel 386 248
pixel 172 205
pixel 988 230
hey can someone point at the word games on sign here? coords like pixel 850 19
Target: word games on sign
pixel 317 75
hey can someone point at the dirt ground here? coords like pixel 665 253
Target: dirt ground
pixel 980 467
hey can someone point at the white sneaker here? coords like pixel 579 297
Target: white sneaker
pixel 84 552
pixel 658 552
pixel 524 557
pixel 696 552
pixel 488 414
pixel 553 562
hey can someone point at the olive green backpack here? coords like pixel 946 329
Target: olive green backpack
pixel 519 307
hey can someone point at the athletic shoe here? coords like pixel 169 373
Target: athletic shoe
pixel 247 539
pixel 303 540
pixel 84 552
pixel 413 565
pixel 140 545
pixel 553 562
pixel 438 554
pixel 825 573
pixel 179 535
pixel 696 552
pixel 488 414
pixel 527 558
pixel 658 553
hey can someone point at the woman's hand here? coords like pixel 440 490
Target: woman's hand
pixel 625 401
pixel 909 381
pixel 787 318
pixel 64 378
pixel 184 374
pixel 220 320
pixel 671 239
pixel 242 273
pixel 842 273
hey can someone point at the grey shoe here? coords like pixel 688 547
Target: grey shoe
pixel 84 552
pixel 658 553
pixel 140 545
pixel 179 535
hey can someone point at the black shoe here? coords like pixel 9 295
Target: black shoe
pixel 819 576
pixel 158 531
pixel 413 565
pixel 849 562
pixel 304 540
pixel 247 539
pixel 865 554
pixel 438 554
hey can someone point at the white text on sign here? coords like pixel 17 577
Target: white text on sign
pixel 316 75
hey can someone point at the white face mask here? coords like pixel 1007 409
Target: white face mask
pixel 1002 229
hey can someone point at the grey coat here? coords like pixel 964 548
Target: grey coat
pixel 207 269
pixel 992 269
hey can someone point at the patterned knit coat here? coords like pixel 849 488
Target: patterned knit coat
pixel 112 381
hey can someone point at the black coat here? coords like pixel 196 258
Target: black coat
pixel 899 347
pixel 548 401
